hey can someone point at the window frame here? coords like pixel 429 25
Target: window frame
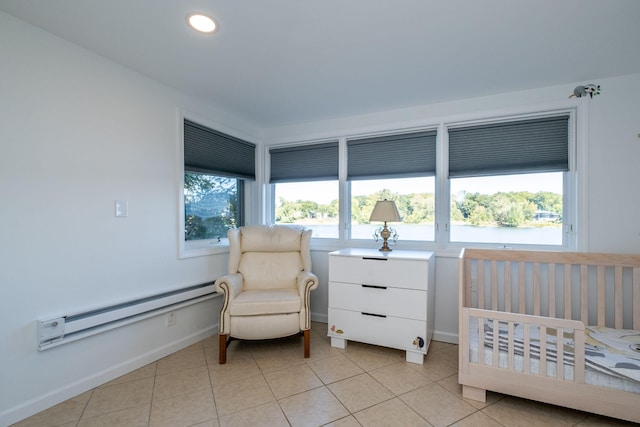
pixel 394 226
pixel 569 190
pixel 574 183
pixel 270 191
pixel 247 193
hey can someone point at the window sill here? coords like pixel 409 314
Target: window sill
pixel 197 248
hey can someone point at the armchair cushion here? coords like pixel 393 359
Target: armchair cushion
pixel 272 301
pixel 270 239
pixel 270 270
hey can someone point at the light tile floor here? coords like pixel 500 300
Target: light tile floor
pixel 269 383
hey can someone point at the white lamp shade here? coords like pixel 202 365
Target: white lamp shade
pixel 385 210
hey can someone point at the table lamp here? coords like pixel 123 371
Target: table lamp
pixel 385 211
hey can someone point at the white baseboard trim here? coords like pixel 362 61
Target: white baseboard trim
pixel 54 397
pixel 445 337
pixel 319 317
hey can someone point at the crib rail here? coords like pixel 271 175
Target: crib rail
pixel 497 330
pixel 595 288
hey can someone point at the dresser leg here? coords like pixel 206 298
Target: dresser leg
pixel 414 357
pixel 338 342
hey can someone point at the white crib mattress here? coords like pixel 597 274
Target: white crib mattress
pixel 612 356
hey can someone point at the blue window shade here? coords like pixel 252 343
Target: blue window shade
pixel 392 156
pixel 209 151
pixel 525 146
pixel 315 162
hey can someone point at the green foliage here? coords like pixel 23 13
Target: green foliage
pixel 479 215
pixel 513 209
pixel 211 206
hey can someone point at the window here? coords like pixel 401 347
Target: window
pixel 399 167
pixel 507 181
pixel 492 182
pixel 216 166
pixel 508 209
pixel 312 204
pixel 305 182
pixel 212 205
pixel 414 198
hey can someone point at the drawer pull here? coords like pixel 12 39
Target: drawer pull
pixel 371 258
pixel 374 287
pixel 374 315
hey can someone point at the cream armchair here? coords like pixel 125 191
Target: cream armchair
pixel 266 289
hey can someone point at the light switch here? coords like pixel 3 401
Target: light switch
pixel 122 208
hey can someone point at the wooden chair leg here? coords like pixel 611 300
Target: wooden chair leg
pixel 307 343
pixel 223 349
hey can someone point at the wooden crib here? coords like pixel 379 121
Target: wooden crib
pixel 525 320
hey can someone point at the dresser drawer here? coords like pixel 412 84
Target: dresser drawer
pixel 382 271
pixel 384 331
pixel 405 303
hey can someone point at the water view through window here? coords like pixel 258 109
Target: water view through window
pixel 312 204
pixel 414 198
pixel 509 209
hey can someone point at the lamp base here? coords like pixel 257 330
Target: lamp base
pixel 385 233
pixel 385 247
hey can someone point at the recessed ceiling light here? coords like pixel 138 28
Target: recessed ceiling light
pixel 202 23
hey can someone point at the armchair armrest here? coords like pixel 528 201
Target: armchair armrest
pixel 230 285
pixel 306 282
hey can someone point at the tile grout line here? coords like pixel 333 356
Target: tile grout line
pixel 86 405
pixel 153 392
pixel 209 373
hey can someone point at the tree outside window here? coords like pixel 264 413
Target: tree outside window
pixel 211 206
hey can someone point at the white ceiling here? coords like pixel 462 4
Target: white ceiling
pixel 280 62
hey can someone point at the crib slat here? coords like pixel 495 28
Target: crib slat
pixel 511 347
pixel 494 286
pixel 507 286
pixel 526 353
pixel 584 294
pixel 552 290
pixel 480 340
pixel 618 298
pixel 601 300
pixel 521 289
pixel 543 351
pixel 536 288
pixel 480 284
pixel 560 353
pixel 496 344
pixel 636 298
pixel 567 291
pixel 578 356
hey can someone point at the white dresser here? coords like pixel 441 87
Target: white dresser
pixel 382 298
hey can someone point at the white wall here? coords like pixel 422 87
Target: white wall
pixel 614 167
pixel 78 132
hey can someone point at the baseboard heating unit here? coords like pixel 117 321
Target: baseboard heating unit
pixel 71 327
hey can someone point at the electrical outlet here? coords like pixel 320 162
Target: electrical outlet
pixel 171 318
